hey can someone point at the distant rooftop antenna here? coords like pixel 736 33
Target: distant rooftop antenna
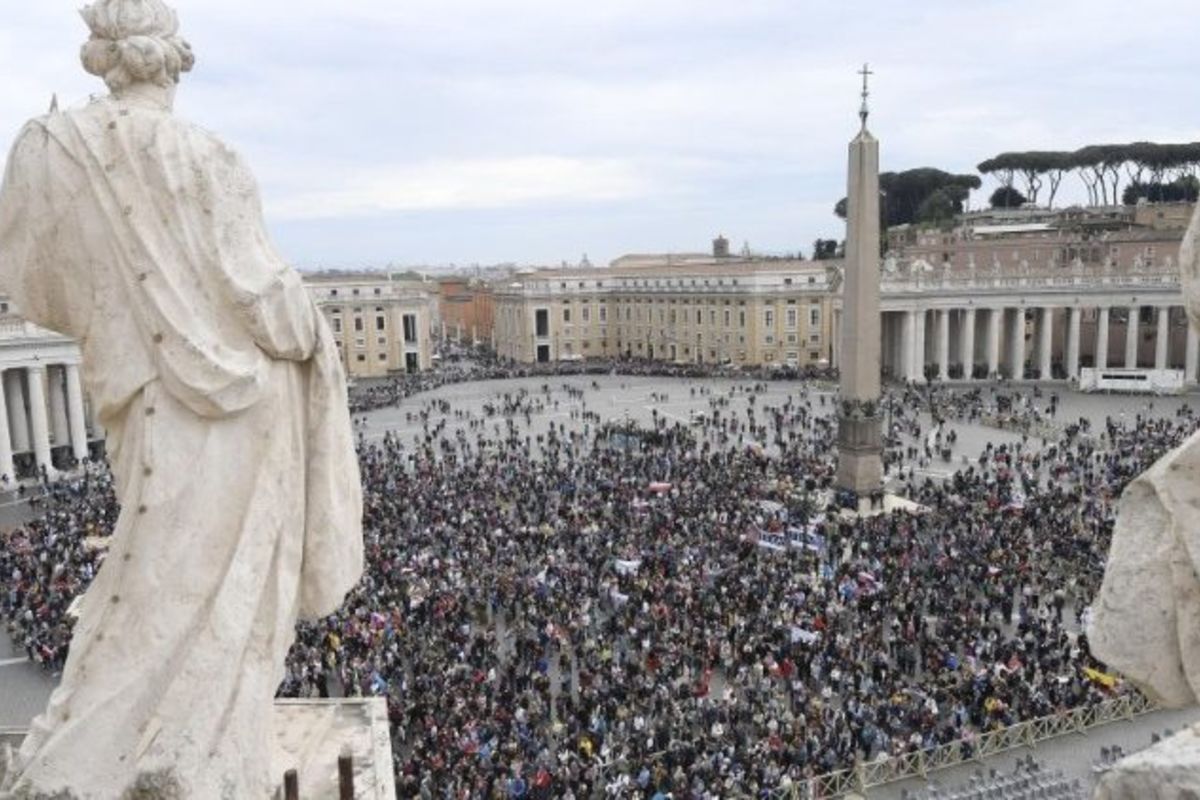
pixel 865 111
pixel 54 103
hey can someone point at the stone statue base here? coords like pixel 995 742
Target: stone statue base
pixel 1170 770
pixel 890 504
pixel 310 736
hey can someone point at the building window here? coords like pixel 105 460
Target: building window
pixel 337 324
pixel 378 291
pixel 604 313
pixel 727 318
pixel 362 358
pixel 381 323
pixel 381 341
pixel 410 328
pixel 355 292
pixel 383 356
pixel 587 314
pixel 814 317
pixel 566 315
pixel 360 343
pixel 791 317
pixel 769 318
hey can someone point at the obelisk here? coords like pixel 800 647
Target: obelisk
pixel 860 434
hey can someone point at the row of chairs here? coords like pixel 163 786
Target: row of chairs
pixel 1028 781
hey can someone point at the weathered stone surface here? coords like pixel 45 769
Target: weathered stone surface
pixel 1168 771
pixel 1147 615
pixel 141 236
pixel 860 462
pixel 310 735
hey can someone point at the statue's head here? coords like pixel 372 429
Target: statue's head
pixel 135 41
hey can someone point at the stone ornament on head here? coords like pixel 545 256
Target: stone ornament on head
pixel 135 41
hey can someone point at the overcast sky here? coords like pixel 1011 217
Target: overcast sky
pixel 464 131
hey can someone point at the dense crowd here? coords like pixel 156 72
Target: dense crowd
pixel 562 605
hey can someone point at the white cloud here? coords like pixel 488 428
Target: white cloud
pixel 477 184
pixel 633 122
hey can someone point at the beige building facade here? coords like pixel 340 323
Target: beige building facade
pixel 381 325
pixel 743 312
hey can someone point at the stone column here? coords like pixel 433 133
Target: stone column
pixel 1073 325
pixel 1102 339
pixel 58 406
pixel 1018 345
pixel 943 344
pixel 860 434
pixel 1162 338
pixel 18 422
pixel 6 451
pixel 995 318
pixel 37 418
pixel 967 345
pixel 1046 343
pixel 79 434
pixel 837 340
pixel 1131 338
pixel 1190 354
pixel 908 324
pixel 919 345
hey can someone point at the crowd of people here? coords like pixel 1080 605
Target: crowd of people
pixel 560 603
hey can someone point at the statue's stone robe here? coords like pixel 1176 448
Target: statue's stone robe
pixel 219 385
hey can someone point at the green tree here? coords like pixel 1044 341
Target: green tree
pixel 938 207
pixel 1007 197
pixel 904 193
pixel 1185 189
pixel 825 249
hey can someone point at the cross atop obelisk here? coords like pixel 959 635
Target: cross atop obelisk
pixel 865 111
pixel 860 435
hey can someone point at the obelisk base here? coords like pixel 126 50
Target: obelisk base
pixel 860 449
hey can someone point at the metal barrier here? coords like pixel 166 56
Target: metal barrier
pixel 920 763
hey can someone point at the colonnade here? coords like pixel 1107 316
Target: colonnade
pixel 1043 342
pixel 41 407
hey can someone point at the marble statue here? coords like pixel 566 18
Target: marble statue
pixel 1146 620
pixel 219 384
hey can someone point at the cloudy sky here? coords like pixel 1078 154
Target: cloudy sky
pixel 424 132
